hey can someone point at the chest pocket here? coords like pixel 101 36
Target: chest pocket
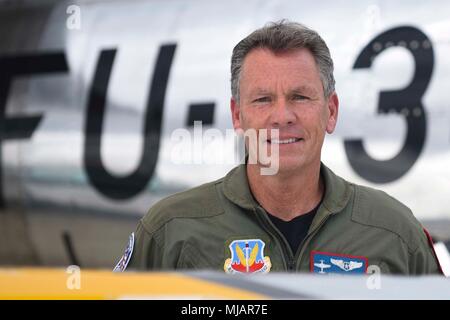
pixel 192 258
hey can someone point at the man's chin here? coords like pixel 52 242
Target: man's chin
pixel 289 166
pixel 285 165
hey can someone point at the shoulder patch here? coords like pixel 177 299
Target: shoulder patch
pixel 325 262
pixel 125 259
pixel 247 256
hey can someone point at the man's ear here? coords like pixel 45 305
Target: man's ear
pixel 235 114
pixel 333 110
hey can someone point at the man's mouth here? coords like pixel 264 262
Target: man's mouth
pixel 284 141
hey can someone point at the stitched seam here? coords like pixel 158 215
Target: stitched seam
pixel 188 254
pixel 358 206
pixel 154 236
pixel 156 229
pixel 182 255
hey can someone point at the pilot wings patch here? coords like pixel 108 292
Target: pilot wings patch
pixel 346 265
pixel 325 262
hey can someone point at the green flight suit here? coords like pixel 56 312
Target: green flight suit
pixel 197 229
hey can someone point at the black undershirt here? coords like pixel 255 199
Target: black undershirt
pixel 296 229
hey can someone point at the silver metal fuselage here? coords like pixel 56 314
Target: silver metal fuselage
pixel 89 110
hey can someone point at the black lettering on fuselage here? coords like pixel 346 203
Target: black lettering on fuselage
pixel 15 66
pixel 127 186
pixel 408 98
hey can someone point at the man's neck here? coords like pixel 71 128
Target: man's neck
pixel 286 195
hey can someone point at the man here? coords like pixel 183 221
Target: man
pixel 304 217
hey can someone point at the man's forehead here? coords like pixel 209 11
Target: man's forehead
pixel 301 89
pixel 264 53
pixel 278 52
pixel 264 61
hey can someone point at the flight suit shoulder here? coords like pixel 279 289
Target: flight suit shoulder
pixel 199 202
pixel 378 209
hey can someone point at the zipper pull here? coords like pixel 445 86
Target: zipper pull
pixel 291 265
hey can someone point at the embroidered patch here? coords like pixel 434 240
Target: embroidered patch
pixel 123 262
pixel 325 262
pixel 247 256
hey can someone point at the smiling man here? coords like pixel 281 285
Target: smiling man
pixel 303 218
pixel 273 96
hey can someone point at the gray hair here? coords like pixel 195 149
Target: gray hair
pixel 284 36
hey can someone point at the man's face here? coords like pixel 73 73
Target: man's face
pixel 284 91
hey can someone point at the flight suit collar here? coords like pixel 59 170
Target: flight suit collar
pixel 237 189
pixel 337 190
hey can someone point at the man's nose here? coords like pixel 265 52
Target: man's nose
pixel 282 114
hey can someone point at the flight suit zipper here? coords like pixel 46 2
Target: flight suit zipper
pixel 291 262
pixel 287 254
pixel 304 244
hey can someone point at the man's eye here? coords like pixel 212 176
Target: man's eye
pixel 262 99
pixel 299 97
